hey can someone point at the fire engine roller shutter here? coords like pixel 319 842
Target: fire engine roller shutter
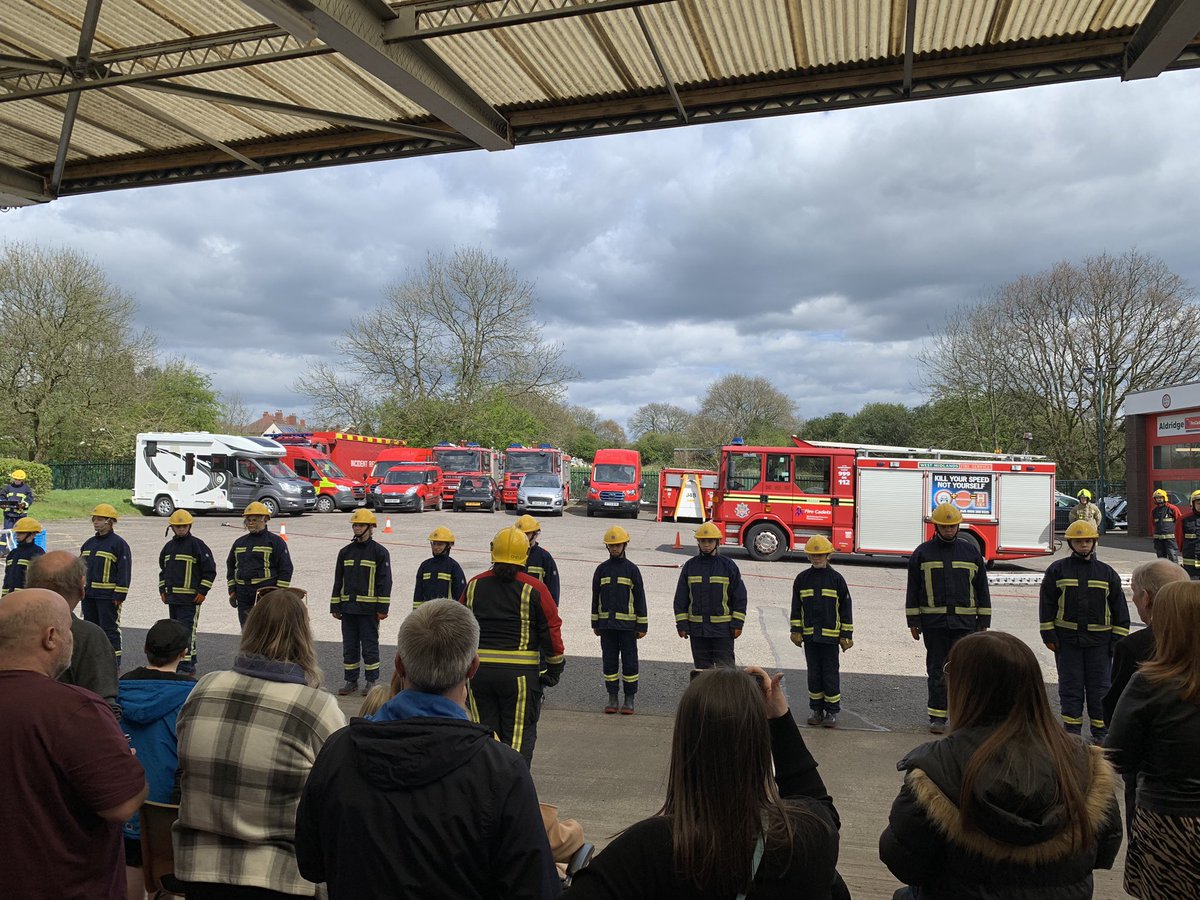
pixel 1026 508
pixel 890 510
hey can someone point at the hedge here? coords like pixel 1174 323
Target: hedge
pixel 39 477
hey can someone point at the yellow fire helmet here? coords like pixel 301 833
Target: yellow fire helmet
pixel 616 535
pixel 1194 496
pixel 946 514
pixel 105 511
pixel 1084 494
pixel 707 530
pixel 441 534
pixel 1081 529
pixel 256 509
pixel 1160 493
pixel 27 525
pixel 510 546
pixel 817 545
pixel 180 517
pixel 527 524
pixel 363 516
pixel 18 475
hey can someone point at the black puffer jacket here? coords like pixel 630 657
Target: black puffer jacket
pixel 1019 849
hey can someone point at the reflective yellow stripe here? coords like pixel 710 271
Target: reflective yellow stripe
pixel 509 657
pixel 519 716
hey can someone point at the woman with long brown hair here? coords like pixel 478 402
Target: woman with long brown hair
pixel 1155 735
pixel 247 740
pixel 1008 804
pixel 729 825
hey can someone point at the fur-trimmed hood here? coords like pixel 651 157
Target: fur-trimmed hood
pixel 1018 817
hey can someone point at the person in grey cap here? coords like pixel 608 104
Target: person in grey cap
pixel 151 697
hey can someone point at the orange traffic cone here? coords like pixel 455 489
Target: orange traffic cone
pixel 678 546
pixel 387 525
pixel 283 531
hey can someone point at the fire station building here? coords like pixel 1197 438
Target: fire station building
pixel 1162 449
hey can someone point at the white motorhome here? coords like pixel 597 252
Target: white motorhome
pixel 199 471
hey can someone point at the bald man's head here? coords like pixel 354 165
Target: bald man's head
pixel 59 571
pixel 35 632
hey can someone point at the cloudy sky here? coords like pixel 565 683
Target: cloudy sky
pixel 816 250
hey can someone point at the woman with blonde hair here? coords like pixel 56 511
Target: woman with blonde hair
pixel 1008 804
pixel 247 740
pixel 1155 735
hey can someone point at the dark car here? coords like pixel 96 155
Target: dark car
pixel 1113 507
pixel 476 492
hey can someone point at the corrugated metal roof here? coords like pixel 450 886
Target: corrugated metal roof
pixel 496 72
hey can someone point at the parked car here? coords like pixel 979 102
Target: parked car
pixel 409 487
pixel 1113 507
pixel 1063 504
pixel 541 492
pixel 477 492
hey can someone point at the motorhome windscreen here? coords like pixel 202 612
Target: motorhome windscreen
pixel 529 462
pixel 404 476
pixel 328 468
pixel 275 468
pixel 458 460
pixel 607 473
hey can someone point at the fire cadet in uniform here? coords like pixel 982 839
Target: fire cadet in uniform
pixel 109 567
pixel 1190 548
pixel 1085 510
pixel 1083 614
pixel 439 577
pixel 16 497
pixel 518 629
pixel 258 560
pixel 186 572
pixel 17 566
pixel 1165 518
pixel 822 622
pixel 362 593
pixel 710 602
pixel 619 618
pixel 947 599
pixel 541 564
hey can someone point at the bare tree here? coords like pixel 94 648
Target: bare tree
pixel 659 418
pixel 737 405
pixel 232 413
pixel 611 434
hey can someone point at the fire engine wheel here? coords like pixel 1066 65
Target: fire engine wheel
pixel 324 504
pixel 766 542
pixel 975 539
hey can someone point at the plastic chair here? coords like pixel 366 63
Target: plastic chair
pixel 158 852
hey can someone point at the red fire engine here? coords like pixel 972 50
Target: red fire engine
pixel 520 461
pixel 877 500
pixel 355 453
pixel 459 460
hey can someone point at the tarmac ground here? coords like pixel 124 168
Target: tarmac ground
pixel 609 771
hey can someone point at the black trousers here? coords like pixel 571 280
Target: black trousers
pixel 938 642
pixel 1083 673
pixel 709 652
pixel 618 649
pixel 824 676
pixel 1166 548
pixel 508 700
pixel 107 615
pixel 360 637
pixel 189 615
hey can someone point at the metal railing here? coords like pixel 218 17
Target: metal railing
pixel 84 474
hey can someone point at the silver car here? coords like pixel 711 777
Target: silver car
pixel 541 492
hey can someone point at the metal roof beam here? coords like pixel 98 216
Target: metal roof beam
pixel 1169 26
pixel 662 65
pixel 18 188
pixel 355 29
pixel 442 17
pixel 910 36
pixel 302 112
pixel 87 33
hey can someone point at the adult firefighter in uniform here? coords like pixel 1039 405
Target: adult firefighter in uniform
pixel 440 577
pixel 1085 510
pixel 1165 520
pixel 257 560
pixel 519 627
pixel 710 602
pixel 109 567
pixel 362 594
pixel 1189 551
pixel 541 564
pixel 186 572
pixel 619 619
pixel 947 599
pixel 17 565
pixel 1083 614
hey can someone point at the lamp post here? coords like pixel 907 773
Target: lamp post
pixel 1097 378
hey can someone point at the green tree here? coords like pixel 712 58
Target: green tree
pixel 831 427
pixel 737 405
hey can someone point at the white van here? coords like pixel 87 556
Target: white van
pixel 199 471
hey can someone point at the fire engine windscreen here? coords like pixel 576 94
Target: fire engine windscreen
pixel 328 468
pixel 458 460
pixel 404 476
pixel 529 462
pixel 608 473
